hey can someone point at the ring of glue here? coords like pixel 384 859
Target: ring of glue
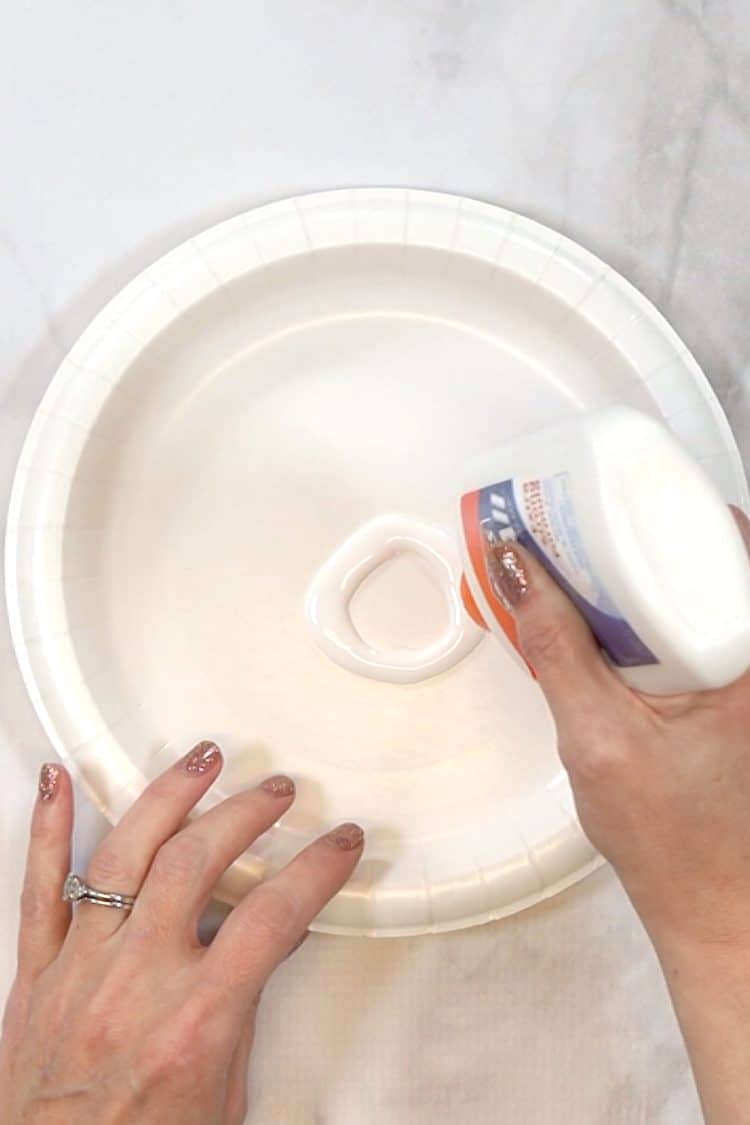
pixel 327 605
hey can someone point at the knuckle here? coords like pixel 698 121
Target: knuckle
pixel 162 788
pixel 274 913
pixel 145 931
pixel 103 1030
pixel 184 856
pixel 54 1004
pixel 591 762
pixel 44 831
pixel 178 1053
pixel 35 905
pixel 162 1061
pixel 545 642
pixel 109 868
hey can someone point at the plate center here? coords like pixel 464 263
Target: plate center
pixel 242 448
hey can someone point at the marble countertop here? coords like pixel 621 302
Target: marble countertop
pixel 627 126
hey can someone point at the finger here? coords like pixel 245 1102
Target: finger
pixel 123 858
pixel 235 1107
pixel 186 868
pixel 298 944
pixel 272 918
pixel 553 635
pixel 45 918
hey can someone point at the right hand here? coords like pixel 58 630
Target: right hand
pixel 662 788
pixel 661 784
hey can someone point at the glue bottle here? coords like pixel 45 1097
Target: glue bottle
pixel 635 533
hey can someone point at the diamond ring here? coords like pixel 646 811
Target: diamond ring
pixel 76 890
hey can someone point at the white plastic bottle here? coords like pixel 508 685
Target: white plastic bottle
pixel 634 531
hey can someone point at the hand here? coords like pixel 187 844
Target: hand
pixel 662 784
pixel 117 1017
pixel 662 789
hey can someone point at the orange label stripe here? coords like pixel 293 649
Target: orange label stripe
pixel 475 545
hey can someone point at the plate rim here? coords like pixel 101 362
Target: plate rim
pixel 300 208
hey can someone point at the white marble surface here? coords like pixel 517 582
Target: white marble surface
pixel 126 128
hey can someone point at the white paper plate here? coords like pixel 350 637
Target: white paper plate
pixel 231 416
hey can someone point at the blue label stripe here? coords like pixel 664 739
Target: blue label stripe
pixel 500 519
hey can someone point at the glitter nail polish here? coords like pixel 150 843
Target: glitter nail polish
pixel 278 786
pixel 509 573
pixel 346 836
pixel 49 777
pixel 202 758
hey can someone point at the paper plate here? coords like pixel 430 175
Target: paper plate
pixel 233 415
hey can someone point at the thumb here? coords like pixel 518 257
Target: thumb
pixel 553 635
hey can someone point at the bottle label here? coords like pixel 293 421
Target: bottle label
pixel 541 515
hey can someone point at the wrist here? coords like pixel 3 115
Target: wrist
pixel 709 982
pixel 716 929
pixel 704 964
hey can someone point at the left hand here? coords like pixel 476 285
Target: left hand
pixel 125 1017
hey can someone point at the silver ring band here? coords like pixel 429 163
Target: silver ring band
pixel 76 890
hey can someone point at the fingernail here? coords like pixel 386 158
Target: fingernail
pixel 49 778
pixel 346 836
pixel 279 786
pixel 202 758
pixel 509 573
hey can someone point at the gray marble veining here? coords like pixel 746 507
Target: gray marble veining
pixel 626 125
